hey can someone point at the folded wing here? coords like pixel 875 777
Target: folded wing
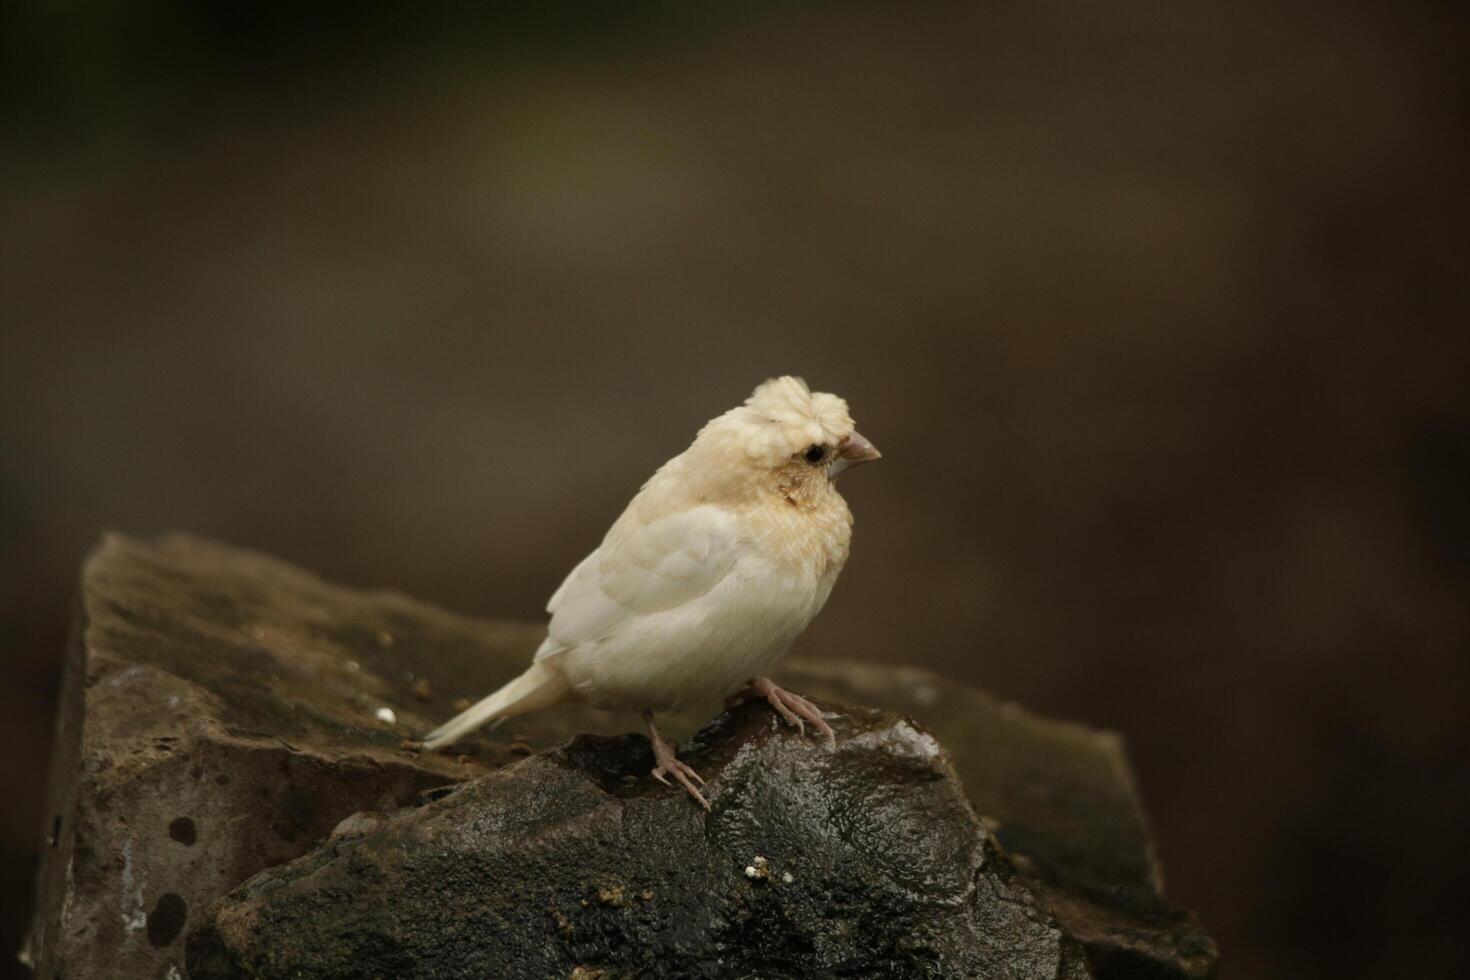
pixel 641 569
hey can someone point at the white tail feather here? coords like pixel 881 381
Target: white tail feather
pixel 539 687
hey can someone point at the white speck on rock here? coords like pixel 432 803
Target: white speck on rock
pixel 173 973
pixel 903 740
pixel 387 716
pixel 133 915
pixel 70 891
pixel 786 877
pixel 127 676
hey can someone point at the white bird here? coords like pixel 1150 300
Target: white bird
pixel 718 563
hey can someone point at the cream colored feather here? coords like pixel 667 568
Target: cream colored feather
pixel 718 563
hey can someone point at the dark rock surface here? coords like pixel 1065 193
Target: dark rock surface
pixel 223 712
pixel 1061 800
pixel 863 862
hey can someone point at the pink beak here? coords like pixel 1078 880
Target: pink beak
pixel 853 451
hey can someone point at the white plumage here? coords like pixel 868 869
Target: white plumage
pixel 718 563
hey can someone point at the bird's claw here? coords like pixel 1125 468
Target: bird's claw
pixel 684 776
pixel 669 765
pixel 794 709
pixel 791 717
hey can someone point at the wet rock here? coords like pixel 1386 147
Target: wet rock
pixel 224 713
pixel 873 861
pixel 217 718
pixel 1060 798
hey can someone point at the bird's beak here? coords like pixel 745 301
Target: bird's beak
pixel 853 451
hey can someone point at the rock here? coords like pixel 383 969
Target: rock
pixel 1061 800
pixel 217 718
pixel 224 713
pixel 864 862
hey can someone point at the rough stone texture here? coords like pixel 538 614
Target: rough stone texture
pixel 1061 800
pixel 220 717
pixel 863 862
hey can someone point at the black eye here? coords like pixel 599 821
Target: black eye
pixel 815 454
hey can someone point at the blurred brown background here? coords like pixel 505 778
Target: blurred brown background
pixel 1157 311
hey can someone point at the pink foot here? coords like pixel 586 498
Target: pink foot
pixel 669 765
pixel 794 708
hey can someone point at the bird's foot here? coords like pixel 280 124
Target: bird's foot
pixel 669 765
pixel 794 708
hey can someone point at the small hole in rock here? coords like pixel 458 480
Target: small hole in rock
pixel 166 921
pixel 182 829
pixel 55 831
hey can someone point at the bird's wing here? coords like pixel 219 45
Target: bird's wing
pixel 642 569
pixel 586 567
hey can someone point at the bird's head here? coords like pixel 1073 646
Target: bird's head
pixel 785 437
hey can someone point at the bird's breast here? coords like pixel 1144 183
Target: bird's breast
pixel 809 542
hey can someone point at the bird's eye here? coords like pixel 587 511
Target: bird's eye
pixel 815 454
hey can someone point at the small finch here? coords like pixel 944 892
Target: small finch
pixel 715 567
